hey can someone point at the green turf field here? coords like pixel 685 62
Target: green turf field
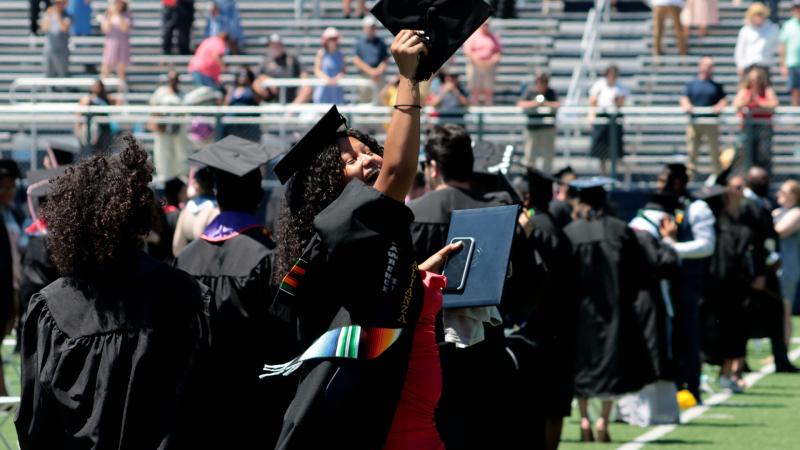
pixel 764 418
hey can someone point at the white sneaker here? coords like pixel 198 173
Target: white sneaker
pixel 730 385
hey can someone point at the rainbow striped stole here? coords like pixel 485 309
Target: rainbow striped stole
pixel 350 342
pixel 292 280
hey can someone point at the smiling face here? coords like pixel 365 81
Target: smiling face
pixel 359 161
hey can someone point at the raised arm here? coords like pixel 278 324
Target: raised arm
pixel 401 151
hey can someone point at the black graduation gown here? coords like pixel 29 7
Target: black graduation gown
pixel 562 213
pixel 360 270
pixel 549 318
pixel 6 275
pixel 611 355
pixel 651 307
pixel 116 362
pixel 245 336
pixel 464 419
pixel 38 271
pixel 730 273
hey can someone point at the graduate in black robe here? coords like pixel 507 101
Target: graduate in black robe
pixel 113 352
pixel 234 257
pixel 654 308
pixel 547 319
pixel 464 419
pixel 346 257
pixel 611 354
pixel 731 274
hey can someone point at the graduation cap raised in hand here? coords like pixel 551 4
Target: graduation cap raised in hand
pixel 446 25
pixel 301 154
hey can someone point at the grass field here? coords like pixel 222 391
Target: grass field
pixel 764 418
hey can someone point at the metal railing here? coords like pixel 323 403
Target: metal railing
pixel 590 48
pixel 502 124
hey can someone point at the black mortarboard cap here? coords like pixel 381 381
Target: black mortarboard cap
pixel 39 181
pixel 9 168
pixel 591 190
pixel 564 171
pixel 540 184
pixel 447 24
pixel 663 201
pixel 232 154
pixel 315 139
pixel 63 152
pixel 487 173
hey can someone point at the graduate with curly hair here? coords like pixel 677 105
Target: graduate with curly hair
pixel 112 352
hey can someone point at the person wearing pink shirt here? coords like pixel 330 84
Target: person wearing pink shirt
pixel 483 50
pixel 207 64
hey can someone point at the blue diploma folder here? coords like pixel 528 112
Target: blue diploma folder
pixel 493 231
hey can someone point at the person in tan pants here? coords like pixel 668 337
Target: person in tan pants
pixel 663 9
pixel 703 92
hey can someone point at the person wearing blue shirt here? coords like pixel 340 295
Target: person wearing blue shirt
pixel 370 58
pixel 703 92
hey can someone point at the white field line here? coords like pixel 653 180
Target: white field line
pixel 693 413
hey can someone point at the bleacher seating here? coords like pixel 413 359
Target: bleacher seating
pixel 533 40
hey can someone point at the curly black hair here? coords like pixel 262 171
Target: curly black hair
pixel 309 192
pixel 99 209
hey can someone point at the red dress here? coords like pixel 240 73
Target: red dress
pixel 413 426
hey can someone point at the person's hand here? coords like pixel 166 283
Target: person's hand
pixel 524 220
pixel 688 109
pixel 668 228
pixel 406 49
pixel 434 263
pixel 759 283
pixel 784 70
pixel 718 109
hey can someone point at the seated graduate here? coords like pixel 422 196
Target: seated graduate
pixel 547 318
pixel 112 352
pixel 351 278
pixel 234 258
pixel 611 356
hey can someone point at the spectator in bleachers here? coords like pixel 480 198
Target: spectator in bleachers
pixel 81 13
pixel 703 92
pixel 449 98
pixel 223 16
pixel 789 51
pixel 278 63
pixel 370 58
pixel 756 102
pixel 540 138
pixel 169 151
pixel 787 225
pixel 700 14
pixel 177 15
pixel 100 135
pixel 207 64
pixel 55 27
pixel 243 94
pixel 34 8
pixel 116 24
pixel 347 8
pixel 484 52
pixel 329 66
pixel 757 41
pixel 607 95
pixel 663 9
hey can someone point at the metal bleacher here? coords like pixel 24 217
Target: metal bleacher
pixel 532 40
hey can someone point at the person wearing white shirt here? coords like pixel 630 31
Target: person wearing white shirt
pixel 663 9
pixel 693 237
pixel 607 94
pixel 758 40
